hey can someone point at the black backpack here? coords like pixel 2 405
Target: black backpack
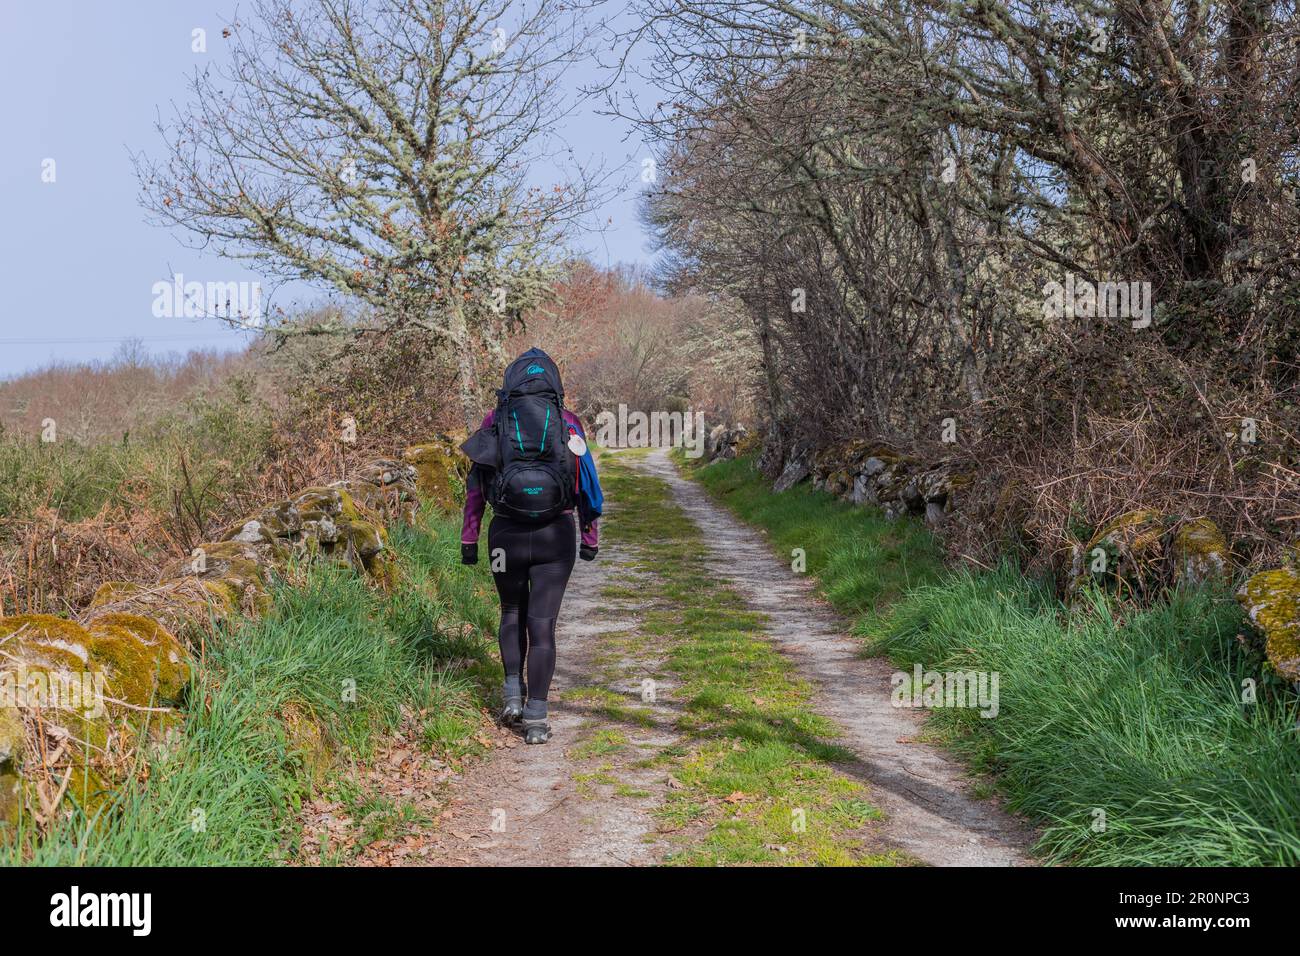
pixel 533 473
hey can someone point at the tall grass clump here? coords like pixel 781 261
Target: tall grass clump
pixel 1134 714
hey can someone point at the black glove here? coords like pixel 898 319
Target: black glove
pixel 469 553
pixel 587 552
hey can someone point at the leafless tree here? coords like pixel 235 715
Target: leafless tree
pixel 921 169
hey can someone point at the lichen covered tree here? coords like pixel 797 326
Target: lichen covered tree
pixel 383 148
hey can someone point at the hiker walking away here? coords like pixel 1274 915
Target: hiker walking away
pixel 532 465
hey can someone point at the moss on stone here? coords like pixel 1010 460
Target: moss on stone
pixel 41 650
pixel 384 570
pixel 849 456
pixel 148 659
pixel 1135 552
pixel 894 479
pixel 13 739
pixel 182 606
pixel 1200 553
pixel 222 559
pixel 312 504
pixel 224 595
pixel 440 470
pixel 1139 529
pixel 306 742
pixel 372 497
pixel 1272 601
pixel 115 592
pixel 126 662
pixel 53 641
pixel 751 443
pixel 366 539
pixel 247 594
pixel 273 547
pixel 281 519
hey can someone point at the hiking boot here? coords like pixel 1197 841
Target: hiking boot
pixel 536 729
pixel 513 695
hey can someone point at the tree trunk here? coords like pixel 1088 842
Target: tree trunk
pixel 949 284
pixel 467 376
pixel 772 459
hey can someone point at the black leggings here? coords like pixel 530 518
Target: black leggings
pixel 531 564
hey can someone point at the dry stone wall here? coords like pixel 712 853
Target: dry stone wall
pixel 1141 553
pixel 79 698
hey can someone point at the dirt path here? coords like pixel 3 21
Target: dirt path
pixel 926 796
pixel 588 796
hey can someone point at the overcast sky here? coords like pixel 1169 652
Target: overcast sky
pixel 83 82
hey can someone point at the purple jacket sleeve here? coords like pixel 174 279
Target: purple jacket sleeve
pixel 591 533
pixel 475 502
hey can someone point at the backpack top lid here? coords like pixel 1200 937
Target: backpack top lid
pixel 532 364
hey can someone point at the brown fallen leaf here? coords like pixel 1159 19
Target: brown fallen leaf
pixel 735 796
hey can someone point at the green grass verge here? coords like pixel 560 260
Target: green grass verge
pixel 1122 731
pixel 756 767
pixel 229 789
pixel 1137 715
